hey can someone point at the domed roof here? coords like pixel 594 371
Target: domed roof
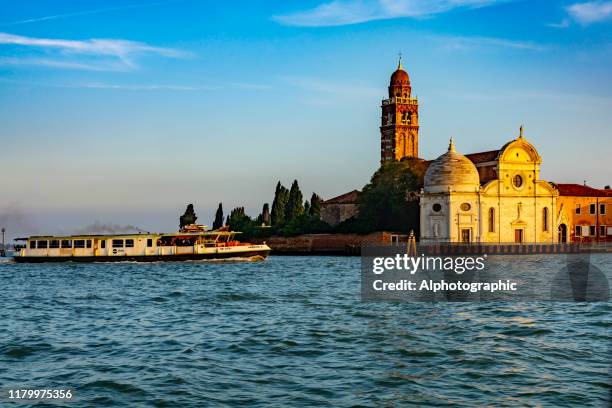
pixel 399 77
pixel 453 170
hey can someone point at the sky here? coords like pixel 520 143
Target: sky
pixel 123 112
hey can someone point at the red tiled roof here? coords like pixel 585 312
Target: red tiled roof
pixel 483 157
pixel 578 190
pixel 348 198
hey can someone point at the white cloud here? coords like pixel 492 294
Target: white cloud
pixel 469 43
pixel 96 85
pixel 332 87
pixel 82 66
pixel 343 12
pixel 591 12
pixel 115 53
pixel 563 24
pixel 81 13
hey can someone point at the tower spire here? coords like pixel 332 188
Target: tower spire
pixel 399 62
pixel 521 132
pixel 451 145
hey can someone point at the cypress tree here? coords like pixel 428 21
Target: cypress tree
pixel 315 205
pixel 281 196
pixel 188 218
pixel 218 223
pixel 295 204
pixel 264 217
pixel 306 207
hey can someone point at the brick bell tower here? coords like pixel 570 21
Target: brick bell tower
pixel 399 130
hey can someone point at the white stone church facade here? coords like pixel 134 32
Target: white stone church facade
pixel 489 197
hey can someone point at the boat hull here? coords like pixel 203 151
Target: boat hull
pixel 144 258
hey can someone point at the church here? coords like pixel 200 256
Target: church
pixel 495 196
pixel 492 197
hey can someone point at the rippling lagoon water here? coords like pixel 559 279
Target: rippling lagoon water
pixel 290 331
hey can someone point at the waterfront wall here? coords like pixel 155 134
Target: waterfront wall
pixel 325 244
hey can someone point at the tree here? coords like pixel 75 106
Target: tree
pixel 281 196
pixel 264 217
pixel 295 203
pixel 389 201
pixel 315 205
pixel 188 218
pixel 218 222
pixel 306 208
pixel 238 220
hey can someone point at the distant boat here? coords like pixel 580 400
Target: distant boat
pixel 191 243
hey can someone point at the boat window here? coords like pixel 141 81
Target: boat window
pixel 66 243
pixel 103 244
pixel 54 243
pixel 117 243
pixel 41 244
pixel 32 244
pixel 149 242
pixel 88 243
pixel 79 243
pixel 129 243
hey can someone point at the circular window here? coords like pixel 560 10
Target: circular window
pixel 466 206
pixel 436 207
pixel 517 181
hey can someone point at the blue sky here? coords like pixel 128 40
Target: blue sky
pixel 125 111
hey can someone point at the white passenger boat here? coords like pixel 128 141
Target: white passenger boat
pixel 191 243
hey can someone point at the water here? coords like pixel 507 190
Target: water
pixel 290 331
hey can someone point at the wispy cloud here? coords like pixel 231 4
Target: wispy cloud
pixel 591 12
pixel 122 87
pixel 343 12
pixel 332 87
pixel 250 86
pixel 81 13
pixel 470 43
pixel 44 62
pixel 211 86
pixel 103 54
pixel 562 24
pixel 583 101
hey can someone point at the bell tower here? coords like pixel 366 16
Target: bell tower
pixel 399 130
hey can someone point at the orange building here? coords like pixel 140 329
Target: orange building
pixel 585 213
pixel 399 128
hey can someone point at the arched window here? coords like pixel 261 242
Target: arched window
pixel 491 219
pixel 545 219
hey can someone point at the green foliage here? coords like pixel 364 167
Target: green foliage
pixel 238 220
pixel 295 203
pixel 289 216
pixel 264 217
pixel 218 223
pixel 315 205
pixel 389 202
pixel 281 197
pixel 188 218
pixel 418 167
pixel 305 224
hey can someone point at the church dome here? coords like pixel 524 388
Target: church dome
pixel 399 77
pixel 451 170
pixel 399 85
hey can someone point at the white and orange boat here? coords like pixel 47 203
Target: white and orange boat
pixel 191 243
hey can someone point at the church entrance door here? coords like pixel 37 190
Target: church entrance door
pixel 562 233
pixel 518 236
pixel 466 235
